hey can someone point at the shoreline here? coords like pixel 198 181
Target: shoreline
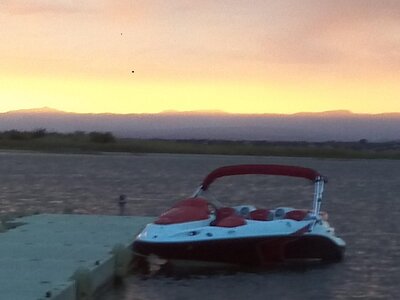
pixel 335 150
pixel 96 143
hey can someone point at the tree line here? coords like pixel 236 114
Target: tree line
pixel 41 133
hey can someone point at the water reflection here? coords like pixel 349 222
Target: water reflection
pixel 361 198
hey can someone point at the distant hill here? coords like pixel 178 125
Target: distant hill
pixel 323 126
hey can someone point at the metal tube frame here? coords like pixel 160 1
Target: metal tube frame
pixel 317 200
pixel 198 191
pixel 318 190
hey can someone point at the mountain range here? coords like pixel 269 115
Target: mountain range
pixel 338 125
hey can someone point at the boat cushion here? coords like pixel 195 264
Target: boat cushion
pixel 261 215
pixel 231 221
pixel 224 212
pixel 182 214
pixel 193 202
pixel 297 214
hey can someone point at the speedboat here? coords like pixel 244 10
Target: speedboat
pixel 197 229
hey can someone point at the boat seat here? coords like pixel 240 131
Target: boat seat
pixel 187 210
pixel 261 215
pixel 228 213
pixel 224 212
pixel 193 202
pixel 231 221
pixel 297 214
pixel 182 214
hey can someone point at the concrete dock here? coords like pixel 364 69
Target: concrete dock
pixel 64 257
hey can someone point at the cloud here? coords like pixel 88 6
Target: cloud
pixel 334 32
pixel 213 35
pixel 23 7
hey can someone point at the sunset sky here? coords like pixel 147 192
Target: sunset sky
pixel 255 56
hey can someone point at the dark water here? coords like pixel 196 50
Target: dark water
pixel 362 198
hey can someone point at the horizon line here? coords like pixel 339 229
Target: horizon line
pixel 47 109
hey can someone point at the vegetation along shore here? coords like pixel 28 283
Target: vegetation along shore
pixel 97 142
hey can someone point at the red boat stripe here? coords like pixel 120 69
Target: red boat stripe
pixel 302 230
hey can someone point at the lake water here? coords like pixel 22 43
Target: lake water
pixel 362 198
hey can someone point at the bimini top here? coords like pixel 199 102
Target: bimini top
pixel 280 170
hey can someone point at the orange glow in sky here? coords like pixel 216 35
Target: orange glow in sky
pixel 236 56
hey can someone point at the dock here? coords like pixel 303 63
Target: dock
pixel 64 256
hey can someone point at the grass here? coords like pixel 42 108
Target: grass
pixel 81 142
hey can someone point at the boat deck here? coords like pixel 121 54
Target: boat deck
pixel 64 257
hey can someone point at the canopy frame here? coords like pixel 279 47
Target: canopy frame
pixel 269 169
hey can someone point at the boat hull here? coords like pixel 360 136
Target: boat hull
pixel 248 251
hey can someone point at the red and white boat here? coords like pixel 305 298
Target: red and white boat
pixel 197 229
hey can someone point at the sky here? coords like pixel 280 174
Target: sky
pixel 253 56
